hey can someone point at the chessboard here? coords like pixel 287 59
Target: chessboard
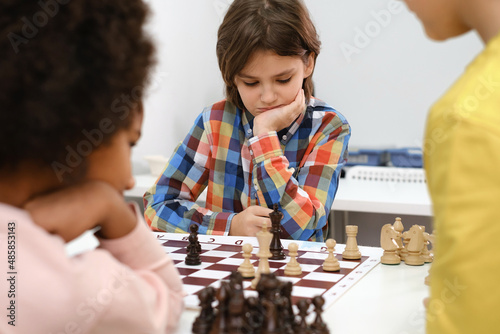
pixel 222 255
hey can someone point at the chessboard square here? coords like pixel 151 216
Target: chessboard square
pixel 190 280
pixel 306 292
pixel 209 247
pixel 293 279
pixel 223 267
pixel 306 267
pixel 281 273
pixel 169 249
pixel 175 243
pixel 192 301
pixel 306 261
pixel 233 261
pixel 211 274
pixel 247 284
pixel 326 276
pixel 228 248
pixel 314 255
pixel 348 264
pixel 192 289
pixel 314 284
pixel 250 293
pixel 275 265
pixel 186 271
pixel 203 265
pixel 177 256
pixel 216 253
pixel 209 259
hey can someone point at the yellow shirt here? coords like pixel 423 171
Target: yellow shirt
pixel 462 162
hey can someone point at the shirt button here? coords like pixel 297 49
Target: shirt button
pixel 284 137
pixel 251 152
pixel 249 131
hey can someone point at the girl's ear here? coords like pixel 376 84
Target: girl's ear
pixel 309 66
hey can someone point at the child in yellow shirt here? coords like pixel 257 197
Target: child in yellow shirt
pixel 461 158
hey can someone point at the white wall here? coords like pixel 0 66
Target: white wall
pixel 384 85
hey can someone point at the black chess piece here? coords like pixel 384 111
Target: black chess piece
pixel 193 257
pixel 221 322
pixel 254 314
pixel 287 317
pixel 203 323
pixel 302 327
pixel 276 248
pixel 318 326
pixel 193 228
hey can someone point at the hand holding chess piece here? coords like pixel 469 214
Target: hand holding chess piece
pixel 331 263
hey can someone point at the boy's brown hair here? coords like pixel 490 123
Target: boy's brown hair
pixel 283 26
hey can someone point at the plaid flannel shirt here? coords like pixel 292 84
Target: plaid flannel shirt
pixel 299 168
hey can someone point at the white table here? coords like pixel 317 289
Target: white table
pixel 388 300
pixel 383 197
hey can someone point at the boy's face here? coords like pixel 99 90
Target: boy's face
pixel 269 81
pixel 110 162
pixel 441 18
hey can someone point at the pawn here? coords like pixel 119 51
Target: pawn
pixel 331 263
pixel 319 326
pixel 303 307
pixel 293 267
pixel 246 269
pixel 351 251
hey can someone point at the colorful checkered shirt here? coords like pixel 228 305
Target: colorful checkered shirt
pixel 298 168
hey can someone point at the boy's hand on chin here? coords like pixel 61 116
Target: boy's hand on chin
pixel 71 211
pixel 279 118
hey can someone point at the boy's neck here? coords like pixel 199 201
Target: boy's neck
pixel 25 183
pixel 484 17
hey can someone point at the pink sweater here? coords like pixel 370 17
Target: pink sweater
pixel 126 285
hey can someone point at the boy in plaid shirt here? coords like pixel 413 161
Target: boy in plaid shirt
pixel 270 141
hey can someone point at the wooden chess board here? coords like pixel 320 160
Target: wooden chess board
pixel 222 255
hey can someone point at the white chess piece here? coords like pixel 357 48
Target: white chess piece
pixel 414 246
pixel 331 263
pixel 246 269
pixel 293 267
pixel 398 226
pixel 388 242
pixel 351 251
pixel 264 238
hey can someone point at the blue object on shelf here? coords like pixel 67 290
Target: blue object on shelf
pixel 405 157
pixel 366 157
